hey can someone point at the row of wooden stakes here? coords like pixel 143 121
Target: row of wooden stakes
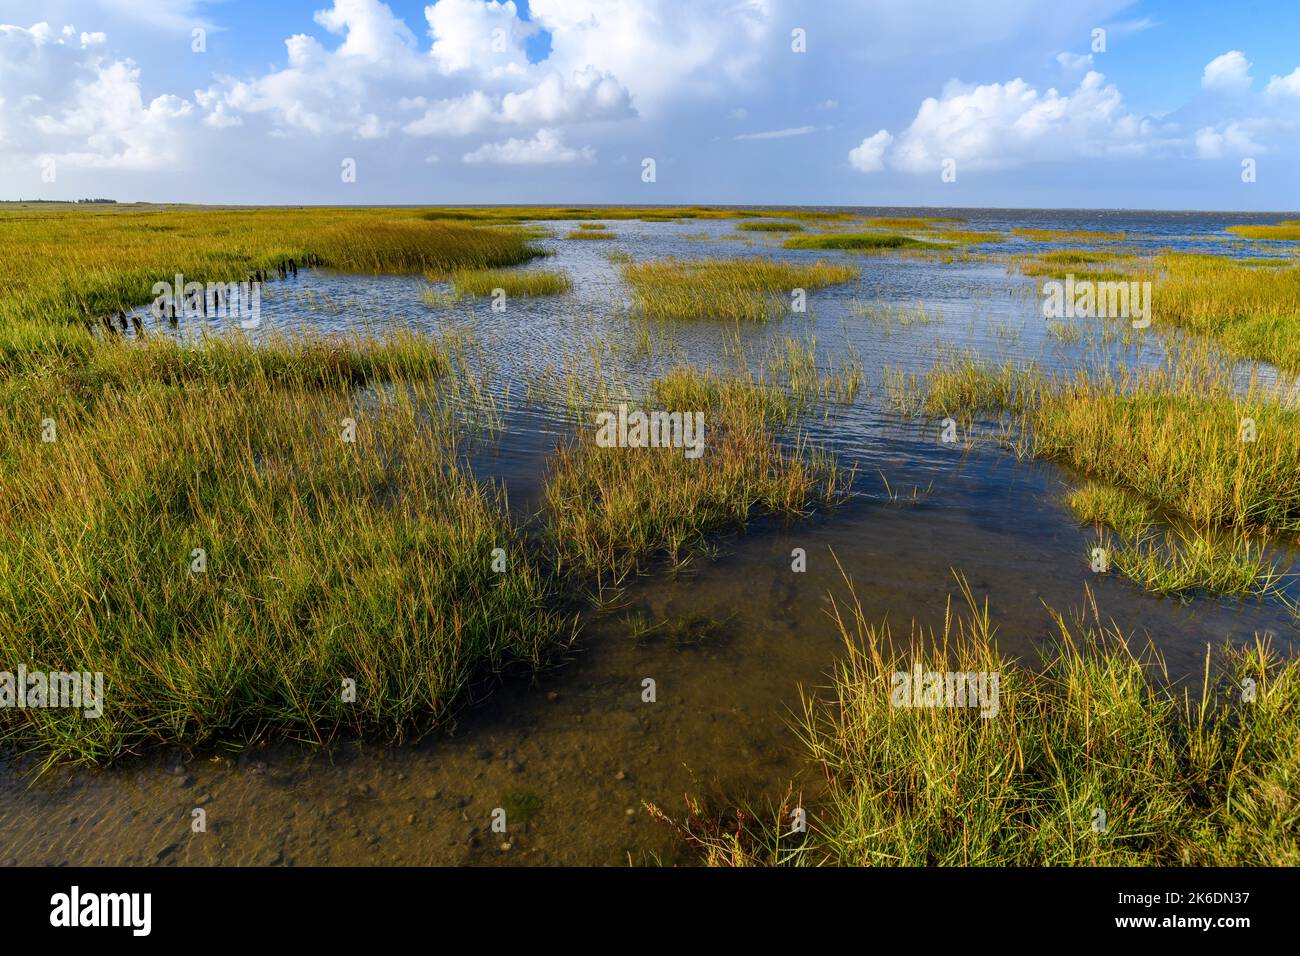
pixel 284 269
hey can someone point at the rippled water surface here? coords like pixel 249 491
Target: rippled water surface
pixel 576 746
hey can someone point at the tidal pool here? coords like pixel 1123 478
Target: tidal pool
pixel 730 641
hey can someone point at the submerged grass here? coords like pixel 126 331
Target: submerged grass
pixel 1184 560
pixel 749 288
pixel 1095 502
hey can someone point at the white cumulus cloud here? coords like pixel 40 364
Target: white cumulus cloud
pixel 1227 73
pixel 1003 125
pixel 1288 85
pixel 1234 138
pixel 869 155
pixel 545 147
pixel 66 99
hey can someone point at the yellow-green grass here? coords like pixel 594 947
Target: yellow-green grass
pixel 581 233
pixel 1180 559
pixel 610 510
pixel 1181 442
pixel 792 364
pixel 1066 235
pixel 523 230
pixel 341 542
pixel 1067 333
pixel 686 386
pixel 1092 758
pixel 1251 311
pixel 74 264
pixel 970 237
pixel 1189 559
pixel 859 242
pixel 746 288
pixel 646 213
pixel 1086 263
pixel 908 223
pixel 1095 502
pixel 592 225
pixel 1220 462
pixel 513 282
pixel 769 226
pixel 889 316
pixel 1285 231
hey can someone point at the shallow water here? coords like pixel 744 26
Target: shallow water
pixel 577 746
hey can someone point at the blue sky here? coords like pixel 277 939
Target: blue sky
pixel 466 101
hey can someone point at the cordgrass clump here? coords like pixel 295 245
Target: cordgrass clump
pixel 1069 235
pixel 1219 457
pixel 231 533
pixel 1286 231
pixel 910 223
pixel 1218 460
pixel 1091 758
pixel 610 510
pixel 1181 561
pixel 1084 263
pixel 1252 311
pixel 1098 503
pixel 770 226
pixel 859 242
pixel 748 288
pixel 514 282
pixel 514 214
pixel 1183 780
pixel 74 264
